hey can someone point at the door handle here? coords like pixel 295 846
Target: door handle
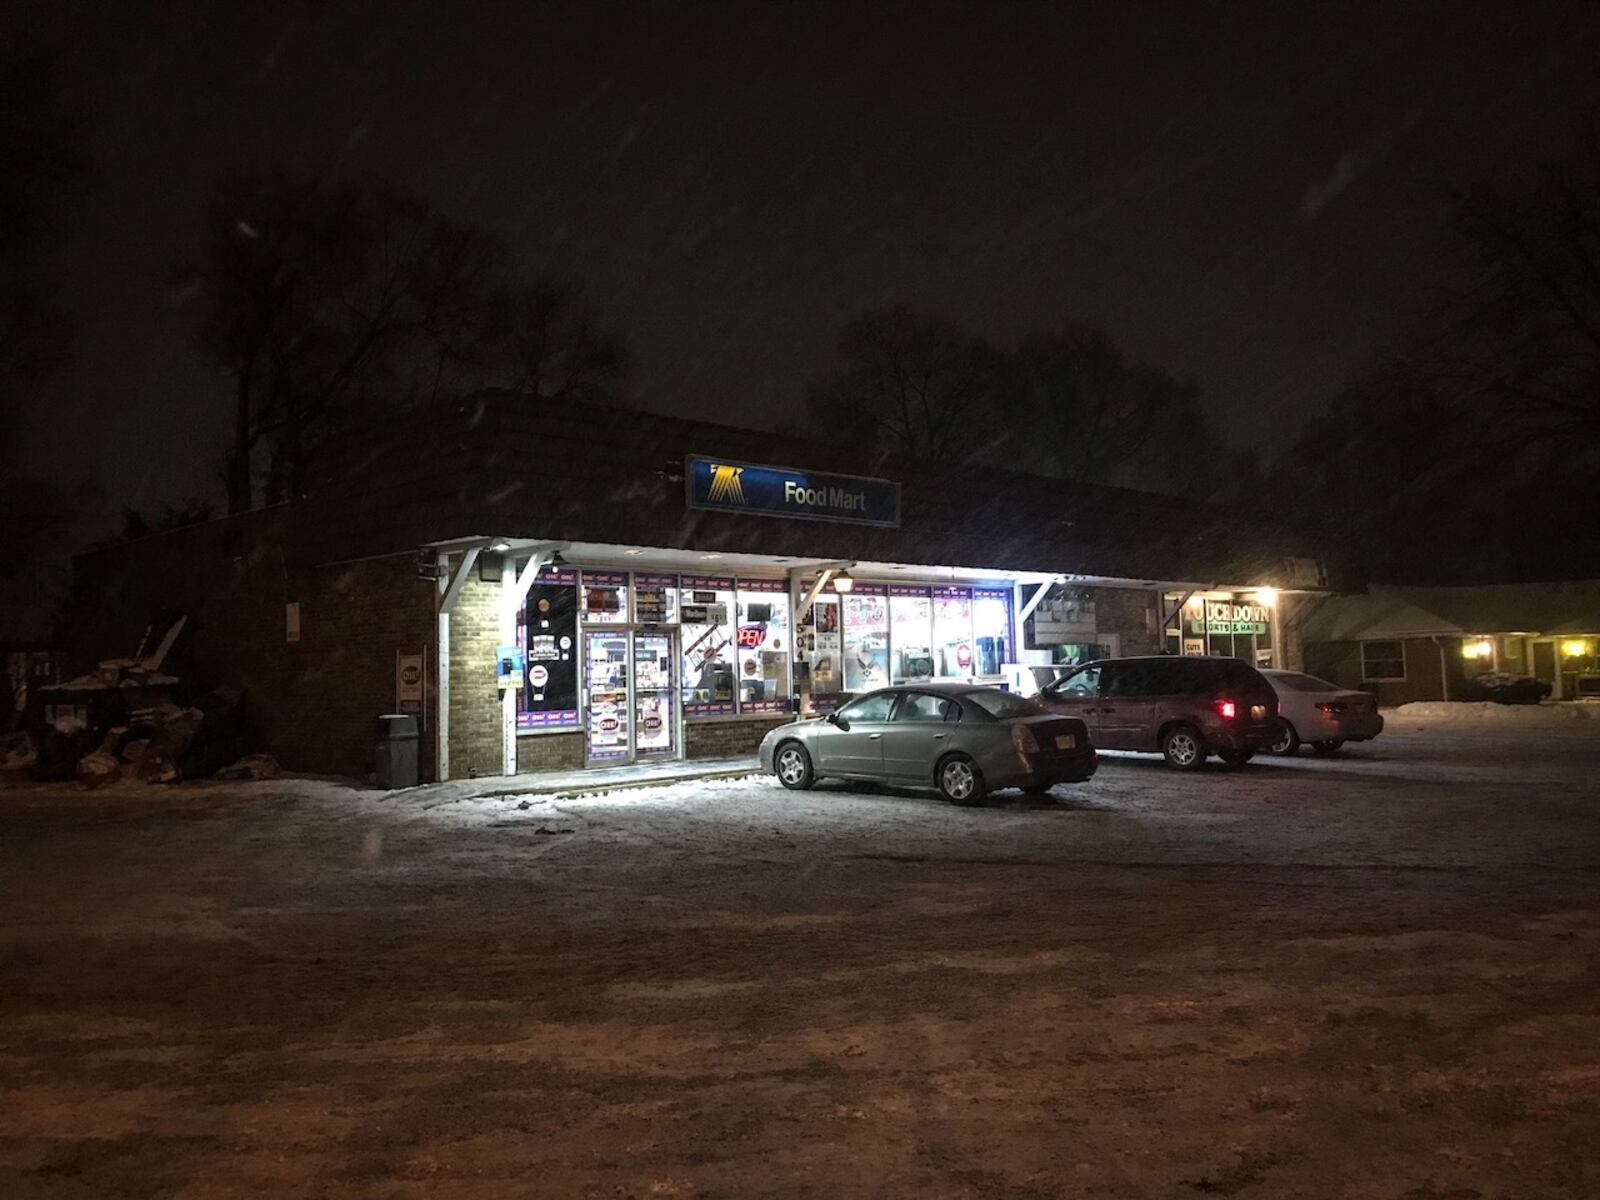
pixel 872 737
pixel 939 737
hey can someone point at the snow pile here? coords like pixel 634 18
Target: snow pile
pixel 1487 710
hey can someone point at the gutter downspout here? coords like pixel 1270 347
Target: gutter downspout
pixel 1444 668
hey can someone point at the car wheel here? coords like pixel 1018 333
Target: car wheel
pixel 1184 747
pixel 960 780
pixel 1328 747
pixel 1236 758
pixel 1288 741
pixel 792 766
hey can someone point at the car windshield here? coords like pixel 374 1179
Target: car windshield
pixel 1295 681
pixel 1003 705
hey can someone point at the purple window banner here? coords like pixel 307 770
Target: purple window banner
pixel 708 708
pixel 706 583
pixel 863 589
pixel 762 585
pixel 764 706
pixel 560 718
pixel 601 755
pixel 605 579
pixel 908 589
pixel 655 581
pixel 561 575
pixel 952 593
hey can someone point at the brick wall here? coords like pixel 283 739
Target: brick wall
pixel 549 752
pixel 1340 662
pixel 1130 613
pixel 311 703
pixel 475 722
pixel 727 738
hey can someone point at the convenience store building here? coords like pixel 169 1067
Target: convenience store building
pixel 553 587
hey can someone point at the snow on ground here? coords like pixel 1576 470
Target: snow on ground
pixel 1369 975
pixel 1487 710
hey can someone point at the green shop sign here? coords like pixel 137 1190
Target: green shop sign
pixel 1229 618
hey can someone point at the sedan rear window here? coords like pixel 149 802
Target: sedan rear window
pixel 1003 705
pixel 1297 682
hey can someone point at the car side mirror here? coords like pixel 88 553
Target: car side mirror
pixel 836 719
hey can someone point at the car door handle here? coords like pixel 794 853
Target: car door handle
pixel 872 737
pixel 939 737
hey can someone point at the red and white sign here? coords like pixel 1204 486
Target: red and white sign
pixel 539 675
pixel 610 725
pixel 964 654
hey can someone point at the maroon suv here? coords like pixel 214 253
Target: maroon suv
pixel 1186 708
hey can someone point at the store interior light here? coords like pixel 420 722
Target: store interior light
pixel 842 583
pixel 1575 648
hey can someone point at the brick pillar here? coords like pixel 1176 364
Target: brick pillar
pixel 475 721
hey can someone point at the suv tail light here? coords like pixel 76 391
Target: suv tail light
pixel 1330 708
pixel 1226 709
pixel 1022 738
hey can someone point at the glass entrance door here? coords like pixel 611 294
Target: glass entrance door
pixel 607 732
pixel 631 696
pixel 655 695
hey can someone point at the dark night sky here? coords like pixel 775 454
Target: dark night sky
pixel 1247 194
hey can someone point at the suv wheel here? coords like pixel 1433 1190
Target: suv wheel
pixel 1184 747
pixel 1287 741
pixel 1329 747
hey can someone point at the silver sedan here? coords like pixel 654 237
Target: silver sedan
pixel 1320 714
pixel 965 740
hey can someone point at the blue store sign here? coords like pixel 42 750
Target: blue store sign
pixel 717 485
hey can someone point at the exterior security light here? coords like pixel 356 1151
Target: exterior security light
pixel 1267 596
pixel 842 583
pixel 1481 648
pixel 1575 648
pixel 499 545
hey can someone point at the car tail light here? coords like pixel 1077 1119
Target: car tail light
pixel 1022 738
pixel 1227 709
pixel 1329 708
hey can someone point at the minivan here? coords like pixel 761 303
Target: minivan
pixel 1185 708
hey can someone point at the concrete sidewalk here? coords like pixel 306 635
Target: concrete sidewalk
pixel 592 779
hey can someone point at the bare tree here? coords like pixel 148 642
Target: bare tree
pixel 328 301
pixel 914 385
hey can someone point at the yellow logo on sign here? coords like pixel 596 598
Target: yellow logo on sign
pixel 726 485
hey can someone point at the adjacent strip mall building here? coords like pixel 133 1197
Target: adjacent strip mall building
pixel 556 586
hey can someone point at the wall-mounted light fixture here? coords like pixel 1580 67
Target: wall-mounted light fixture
pixel 843 584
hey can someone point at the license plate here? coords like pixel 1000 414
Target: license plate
pixel 1066 741
pixel 1258 712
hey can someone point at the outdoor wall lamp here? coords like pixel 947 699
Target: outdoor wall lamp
pixel 842 583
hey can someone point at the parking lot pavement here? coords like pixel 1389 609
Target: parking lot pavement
pixel 1372 975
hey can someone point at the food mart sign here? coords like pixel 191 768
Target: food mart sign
pixel 717 485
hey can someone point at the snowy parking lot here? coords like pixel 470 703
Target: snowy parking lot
pixel 1374 975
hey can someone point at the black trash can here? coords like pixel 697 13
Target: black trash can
pixel 397 750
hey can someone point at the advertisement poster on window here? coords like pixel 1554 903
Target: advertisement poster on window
pixel 825 648
pixel 866 640
pixel 408 683
pixel 550 630
pixel 708 635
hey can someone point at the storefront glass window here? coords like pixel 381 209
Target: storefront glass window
pixel 548 631
pixel 825 650
pixel 952 632
pixel 764 645
pixel 708 634
pixel 656 598
pixel 605 597
pixel 866 638
pixel 991 629
pixel 910 633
